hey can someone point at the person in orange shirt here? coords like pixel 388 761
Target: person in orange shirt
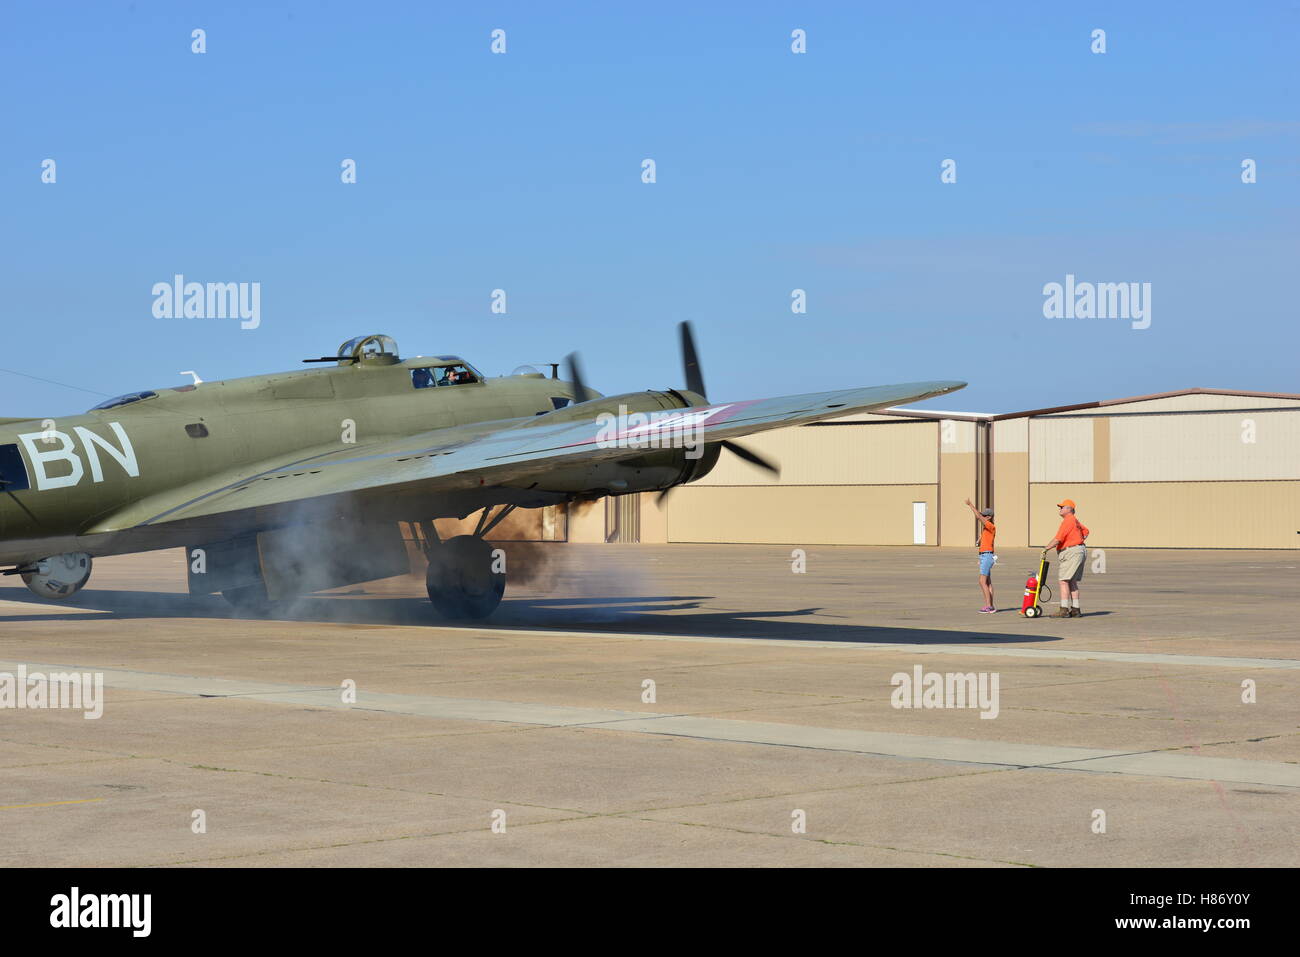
pixel 1071 554
pixel 987 532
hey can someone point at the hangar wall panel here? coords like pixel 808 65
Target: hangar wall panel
pixel 1210 447
pixel 794 515
pixel 957 483
pixel 1011 497
pixel 956 435
pixel 1011 435
pixel 1011 480
pixel 586 521
pixel 1060 450
pixel 1175 514
pixel 897 452
pixel 654 519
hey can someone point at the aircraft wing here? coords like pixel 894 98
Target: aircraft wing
pixel 514 454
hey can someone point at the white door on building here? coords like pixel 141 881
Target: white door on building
pixel 918 523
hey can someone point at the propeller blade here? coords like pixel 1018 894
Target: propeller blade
pixel 735 448
pixel 580 393
pixel 691 361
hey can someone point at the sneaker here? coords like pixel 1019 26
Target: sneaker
pixel 987 610
pixel 1063 613
pixel 1076 613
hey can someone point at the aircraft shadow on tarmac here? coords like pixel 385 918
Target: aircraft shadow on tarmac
pixel 663 615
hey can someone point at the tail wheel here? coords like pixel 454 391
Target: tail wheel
pixel 464 580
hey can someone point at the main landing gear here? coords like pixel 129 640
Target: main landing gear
pixel 466 576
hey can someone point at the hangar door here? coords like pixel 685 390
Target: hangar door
pixel 918 523
pixel 623 519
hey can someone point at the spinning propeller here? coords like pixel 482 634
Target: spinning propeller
pixel 694 383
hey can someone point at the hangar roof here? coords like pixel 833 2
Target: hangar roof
pixel 1285 397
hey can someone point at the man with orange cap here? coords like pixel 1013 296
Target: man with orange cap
pixel 1071 554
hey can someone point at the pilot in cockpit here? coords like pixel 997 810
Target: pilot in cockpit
pixel 455 375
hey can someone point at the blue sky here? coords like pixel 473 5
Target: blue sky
pixel 775 171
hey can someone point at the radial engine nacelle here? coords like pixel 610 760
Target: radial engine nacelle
pixel 659 455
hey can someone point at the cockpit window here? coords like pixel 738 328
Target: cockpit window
pixel 456 375
pixel 442 375
pixel 124 400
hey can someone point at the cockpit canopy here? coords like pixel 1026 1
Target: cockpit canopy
pixel 127 399
pixel 373 348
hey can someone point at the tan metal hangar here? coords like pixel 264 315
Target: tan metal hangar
pixel 1196 468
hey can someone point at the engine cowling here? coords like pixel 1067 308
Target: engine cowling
pixel 59 576
pixel 662 460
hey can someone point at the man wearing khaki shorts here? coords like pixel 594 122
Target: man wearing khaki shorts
pixel 1070 556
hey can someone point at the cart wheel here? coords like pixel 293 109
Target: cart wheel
pixel 1033 612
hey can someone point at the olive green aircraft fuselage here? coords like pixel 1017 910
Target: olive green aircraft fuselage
pixel 281 485
pixel 82 469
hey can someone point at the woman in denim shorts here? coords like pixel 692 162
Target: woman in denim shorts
pixel 987 533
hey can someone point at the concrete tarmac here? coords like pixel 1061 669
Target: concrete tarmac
pixel 673 705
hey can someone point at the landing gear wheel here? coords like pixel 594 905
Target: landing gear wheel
pixel 1033 611
pixel 462 581
pixel 249 599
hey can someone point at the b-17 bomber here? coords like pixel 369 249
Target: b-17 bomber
pixel 285 484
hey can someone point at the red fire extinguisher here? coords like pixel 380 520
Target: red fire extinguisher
pixel 1035 588
pixel 1031 588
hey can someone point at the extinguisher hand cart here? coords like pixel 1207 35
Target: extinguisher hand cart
pixel 1036 590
